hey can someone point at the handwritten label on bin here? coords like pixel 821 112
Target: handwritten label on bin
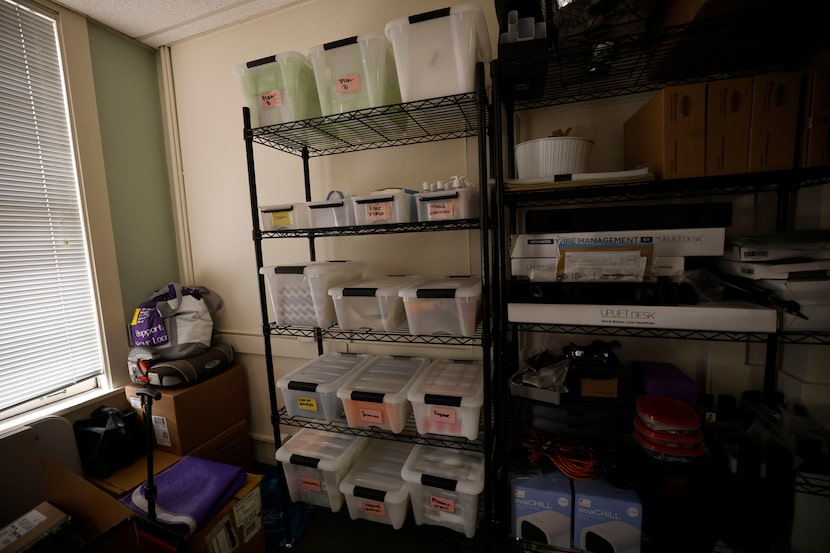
pixel 439 211
pixel 280 218
pixel 378 211
pixel 374 508
pixel 347 84
pixel 271 99
pixel 442 415
pixel 306 403
pixel 442 504
pixel 371 416
pixel 310 484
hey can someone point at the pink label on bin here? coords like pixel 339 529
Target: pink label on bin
pixel 378 212
pixel 439 211
pixel 442 504
pixel 310 484
pixel 346 84
pixel 372 416
pixel 271 99
pixel 374 508
pixel 442 415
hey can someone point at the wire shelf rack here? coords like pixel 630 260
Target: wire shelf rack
pixel 400 336
pixel 394 228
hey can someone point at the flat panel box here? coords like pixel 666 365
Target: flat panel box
pixel 444 486
pixel 372 304
pixel 447 205
pixel 279 89
pixel 285 216
pixel 374 488
pixel 299 292
pixel 375 393
pixel 315 462
pixel 436 52
pixel 384 207
pixel 355 73
pixel 447 398
pixel 335 212
pixel 606 518
pixel 443 306
pixel 311 390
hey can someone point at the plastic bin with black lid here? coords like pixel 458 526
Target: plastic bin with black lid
pixel 371 303
pixel 447 398
pixel 443 306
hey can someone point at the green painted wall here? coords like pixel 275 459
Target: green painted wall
pixel 129 111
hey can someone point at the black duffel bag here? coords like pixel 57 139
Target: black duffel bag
pixel 108 440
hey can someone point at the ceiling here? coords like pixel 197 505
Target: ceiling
pixel 162 22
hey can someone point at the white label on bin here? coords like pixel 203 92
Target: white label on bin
pixel 442 504
pixel 374 508
pixel 442 414
pixel 439 211
pixel 378 212
pixel 347 84
pixel 372 416
pixel 271 99
pixel 311 484
pixel 306 404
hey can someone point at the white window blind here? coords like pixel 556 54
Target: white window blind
pixel 49 335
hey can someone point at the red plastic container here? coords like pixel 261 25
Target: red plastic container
pixel 673 441
pixel 667 415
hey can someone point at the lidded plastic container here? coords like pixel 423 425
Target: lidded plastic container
pixel 675 441
pixel 315 462
pixel 355 73
pixel 445 205
pixel 447 398
pixel 279 89
pixel 375 393
pixel 385 207
pixel 299 292
pixel 371 303
pixel 444 486
pixel 374 488
pixel 311 390
pixel 444 305
pixel 667 415
pixel 286 216
pixel 331 212
pixel 436 52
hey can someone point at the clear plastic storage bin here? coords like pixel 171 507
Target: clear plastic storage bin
pixel 315 462
pixel 279 89
pixel 335 212
pixel 436 52
pixel 311 390
pixel 374 488
pixel 287 216
pixel 375 393
pixel 355 73
pixel 444 486
pixel 448 305
pixel 445 205
pixel 447 398
pixel 381 208
pixel 372 303
pixel 299 292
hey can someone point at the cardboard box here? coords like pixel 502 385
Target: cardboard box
pixel 814 145
pixel 598 387
pixel 606 518
pixel 669 133
pixel 542 509
pixel 728 117
pixel 232 447
pixel 126 479
pixel 237 526
pixel 185 418
pixel 775 98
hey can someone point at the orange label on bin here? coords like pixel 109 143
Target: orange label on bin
pixel 440 211
pixel 310 484
pixel 442 414
pixel 307 403
pixel 374 508
pixel 378 212
pixel 347 84
pixel 271 99
pixel 372 416
pixel 442 504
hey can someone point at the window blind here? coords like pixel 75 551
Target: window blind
pixel 49 335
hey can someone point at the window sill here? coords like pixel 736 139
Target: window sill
pixel 66 408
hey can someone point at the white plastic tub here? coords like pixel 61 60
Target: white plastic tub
pixel 443 306
pixel 375 393
pixel 311 390
pixel 372 303
pixel 447 398
pixel 384 207
pixel 355 73
pixel 551 156
pixel 335 212
pixel 315 462
pixel 299 292
pixel 279 89
pixel 436 52
pixel 374 488
pixel 444 486
pixel 443 205
pixel 286 216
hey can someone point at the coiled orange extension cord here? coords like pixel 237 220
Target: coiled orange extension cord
pixel 572 457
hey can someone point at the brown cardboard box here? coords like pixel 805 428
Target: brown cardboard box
pixel 237 526
pixel 668 133
pixel 232 447
pixel 814 148
pixel 598 387
pixel 728 116
pixel 185 418
pixel 775 98
pixel 128 478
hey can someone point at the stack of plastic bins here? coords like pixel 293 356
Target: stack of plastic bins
pixel 315 462
pixel 444 486
pixel 447 398
pixel 375 393
pixel 448 305
pixel 311 390
pixel 279 89
pixel 355 73
pixel 299 292
pixel 374 488
pixel 372 303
